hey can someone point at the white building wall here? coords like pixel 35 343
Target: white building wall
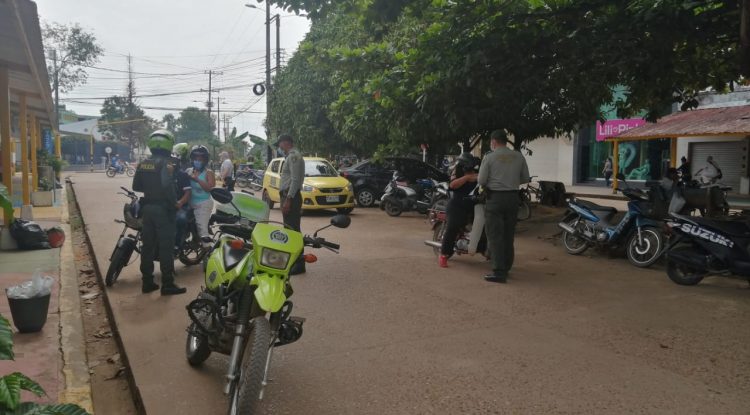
pixel 551 159
pixel 683 145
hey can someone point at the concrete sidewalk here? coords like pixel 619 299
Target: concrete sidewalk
pixel 55 357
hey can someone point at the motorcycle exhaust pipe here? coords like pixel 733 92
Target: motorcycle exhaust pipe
pixel 434 244
pixel 567 228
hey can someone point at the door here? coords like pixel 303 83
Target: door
pixel 273 180
pixel 730 156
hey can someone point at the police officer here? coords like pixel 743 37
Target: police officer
pixel 501 173
pixel 292 176
pixel 155 178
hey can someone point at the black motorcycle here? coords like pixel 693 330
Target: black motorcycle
pixel 402 197
pixel 192 251
pixel 700 246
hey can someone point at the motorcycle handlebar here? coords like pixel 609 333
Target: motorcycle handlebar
pixel 316 242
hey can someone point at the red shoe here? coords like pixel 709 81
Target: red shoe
pixel 443 261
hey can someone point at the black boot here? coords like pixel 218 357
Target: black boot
pixel 149 286
pixel 173 289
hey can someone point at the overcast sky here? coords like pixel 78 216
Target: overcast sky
pixel 172 42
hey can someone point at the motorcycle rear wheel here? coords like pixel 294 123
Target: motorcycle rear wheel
pixel 116 264
pixel 574 245
pixel 111 172
pixel 392 209
pixel 196 347
pixel 246 393
pixel 192 252
pixel 437 236
pixel 683 274
pixel 649 251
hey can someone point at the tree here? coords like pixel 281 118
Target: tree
pixel 75 49
pixel 194 125
pixel 237 142
pixel 408 72
pixel 122 119
pixel 169 122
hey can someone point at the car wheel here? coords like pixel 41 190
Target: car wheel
pixel 267 199
pixel 365 197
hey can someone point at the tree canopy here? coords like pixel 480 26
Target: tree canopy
pixel 75 49
pixel 193 124
pixel 394 74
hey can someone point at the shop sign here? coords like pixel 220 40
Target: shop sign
pixel 611 128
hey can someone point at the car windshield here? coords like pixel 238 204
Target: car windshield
pixel 319 168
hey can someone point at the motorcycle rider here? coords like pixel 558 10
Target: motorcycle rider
pixel 202 180
pixel 463 181
pixel 182 189
pixel 155 178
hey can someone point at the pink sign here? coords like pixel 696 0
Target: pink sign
pixel 612 128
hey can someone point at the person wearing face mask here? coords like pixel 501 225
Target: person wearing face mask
pixel 201 182
pixel 292 178
pixel 501 173
pixel 182 189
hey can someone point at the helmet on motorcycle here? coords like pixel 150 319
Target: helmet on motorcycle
pixel 199 151
pixel 161 141
pixel 181 151
pixel 467 161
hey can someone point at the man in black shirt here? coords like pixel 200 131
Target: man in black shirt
pixel 463 181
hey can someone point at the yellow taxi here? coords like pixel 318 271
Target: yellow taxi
pixel 323 187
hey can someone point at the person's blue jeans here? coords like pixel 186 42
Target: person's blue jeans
pixel 181 220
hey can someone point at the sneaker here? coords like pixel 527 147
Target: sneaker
pixel 149 286
pixel 443 261
pixel 173 290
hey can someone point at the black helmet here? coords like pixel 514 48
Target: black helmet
pixel 467 161
pixel 198 150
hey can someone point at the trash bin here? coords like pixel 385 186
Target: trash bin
pixel 29 314
pixel 29 302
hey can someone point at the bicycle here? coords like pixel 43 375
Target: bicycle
pixel 524 198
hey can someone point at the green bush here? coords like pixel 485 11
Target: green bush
pixel 11 386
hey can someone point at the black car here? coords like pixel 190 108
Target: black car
pixel 370 177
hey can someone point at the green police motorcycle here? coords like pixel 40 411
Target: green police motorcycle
pixel 244 310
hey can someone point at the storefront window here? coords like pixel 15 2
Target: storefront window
pixel 638 160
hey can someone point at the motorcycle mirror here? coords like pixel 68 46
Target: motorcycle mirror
pixel 341 221
pixel 221 195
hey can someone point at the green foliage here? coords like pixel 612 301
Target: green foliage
pixel 11 385
pixel 117 109
pixel 386 76
pixel 193 125
pixel 75 49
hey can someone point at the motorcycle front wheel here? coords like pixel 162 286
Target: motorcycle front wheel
pixel 575 245
pixel 111 172
pixel 245 396
pixel 644 252
pixel 192 252
pixel 392 208
pixel 130 172
pixel 116 264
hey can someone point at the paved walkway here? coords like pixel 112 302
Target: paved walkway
pixel 55 357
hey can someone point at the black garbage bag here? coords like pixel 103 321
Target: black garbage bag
pixel 29 235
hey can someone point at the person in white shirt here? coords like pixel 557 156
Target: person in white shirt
pixel 227 171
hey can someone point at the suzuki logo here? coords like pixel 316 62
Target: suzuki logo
pixel 699 232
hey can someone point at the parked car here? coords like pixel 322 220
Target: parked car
pixel 323 187
pixel 370 177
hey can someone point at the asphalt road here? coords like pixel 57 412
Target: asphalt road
pixel 388 331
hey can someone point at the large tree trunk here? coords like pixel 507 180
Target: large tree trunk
pixel 745 38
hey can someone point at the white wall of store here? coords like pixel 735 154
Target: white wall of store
pixel 552 159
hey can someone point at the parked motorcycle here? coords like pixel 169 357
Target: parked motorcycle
pixel 468 238
pixel 588 224
pixel 191 253
pixel 400 197
pixel 250 178
pixel 699 247
pixel 113 171
pixel 244 311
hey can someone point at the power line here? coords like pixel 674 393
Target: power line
pixel 173 93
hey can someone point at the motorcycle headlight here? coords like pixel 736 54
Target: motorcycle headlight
pixel 307 188
pixel 274 259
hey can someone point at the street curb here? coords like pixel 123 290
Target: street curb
pixel 136 393
pixel 75 371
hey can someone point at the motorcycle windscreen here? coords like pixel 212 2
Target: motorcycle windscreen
pixel 476 228
pixel 269 291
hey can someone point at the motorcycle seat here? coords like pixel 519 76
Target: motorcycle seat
pixel 594 206
pixel 729 227
pixel 232 257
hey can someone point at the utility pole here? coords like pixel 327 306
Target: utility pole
pixel 268 71
pixel 57 88
pixel 131 109
pixel 209 103
pixel 278 44
pixel 218 117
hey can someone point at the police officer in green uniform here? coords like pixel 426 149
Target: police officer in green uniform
pixel 154 177
pixel 501 173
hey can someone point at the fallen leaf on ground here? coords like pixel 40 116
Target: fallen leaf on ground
pixel 115 358
pixel 90 296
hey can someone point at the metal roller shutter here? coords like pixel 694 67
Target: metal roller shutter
pixel 731 156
